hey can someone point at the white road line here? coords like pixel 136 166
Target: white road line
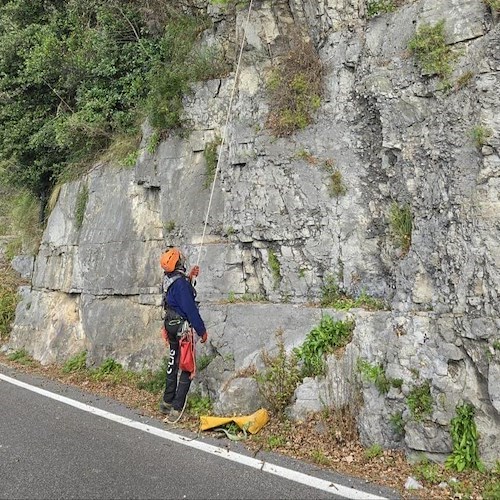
pixel 292 475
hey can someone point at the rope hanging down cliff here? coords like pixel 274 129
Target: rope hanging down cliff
pixel 225 131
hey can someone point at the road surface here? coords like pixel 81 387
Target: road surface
pixel 59 442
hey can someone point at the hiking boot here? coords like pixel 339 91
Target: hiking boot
pixel 165 408
pixel 173 416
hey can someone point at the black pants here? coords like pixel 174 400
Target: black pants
pixel 175 393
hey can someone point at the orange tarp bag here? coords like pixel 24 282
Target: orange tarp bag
pixel 253 423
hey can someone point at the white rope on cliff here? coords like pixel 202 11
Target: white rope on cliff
pixel 221 147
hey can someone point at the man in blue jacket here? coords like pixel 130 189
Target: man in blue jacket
pixel 178 300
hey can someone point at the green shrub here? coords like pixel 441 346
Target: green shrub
pixel 203 361
pixel 433 54
pixel 198 405
pixel 81 204
pixel 430 472
pixel 324 339
pixel 492 488
pixel 318 457
pixel 21 356
pixel 169 226
pixel 494 4
pixel 337 186
pixel 294 88
pixel 77 75
pixel 376 7
pixel 278 381
pixel 397 423
pixel 274 442
pixel 153 381
pixel 211 158
pixel 375 450
pixel 25 217
pixel 332 296
pixel 77 363
pixel 401 225
pixel 375 374
pixel 480 135
pixel 130 160
pixel 9 299
pixel 465 440
pixel 112 372
pixel 153 142
pixel 274 265
pixel 178 66
pixel 419 401
pixel 246 297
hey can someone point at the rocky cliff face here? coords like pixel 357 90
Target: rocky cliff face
pixel 395 135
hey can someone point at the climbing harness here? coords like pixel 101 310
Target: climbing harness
pixel 221 147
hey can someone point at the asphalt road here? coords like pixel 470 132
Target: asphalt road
pixel 66 444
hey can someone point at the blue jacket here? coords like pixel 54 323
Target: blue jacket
pixel 181 298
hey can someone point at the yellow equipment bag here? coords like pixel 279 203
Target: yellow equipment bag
pixel 252 423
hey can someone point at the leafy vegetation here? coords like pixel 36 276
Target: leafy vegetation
pixel 21 356
pixel 77 363
pixel 464 79
pixel 337 186
pixel 211 158
pixel 81 204
pixel 433 54
pixel 324 339
pixel 429 471
pixel 397 423
pixel 203 361
pixel 77 75
pixel 274 265
pixel 494 4
pixel 169 226
pixel 332 296
pixel 294 88
pixel 375 450
pixel 153 381
pixel 24 218
pixel 246 297
pixel 278 381
pixel 9 298
pixel 419 401
pixel 376 7
pixel 480 135
pixel 377 376
pixel 401 223
pixel 465 440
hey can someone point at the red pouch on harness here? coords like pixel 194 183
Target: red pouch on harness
pixel 186 355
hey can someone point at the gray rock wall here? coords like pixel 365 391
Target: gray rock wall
pixel 396 136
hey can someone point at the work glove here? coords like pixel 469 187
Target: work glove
pixel 165 335
pixel 204 337
pixel 195 270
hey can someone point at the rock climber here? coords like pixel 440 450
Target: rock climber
pixel 181 312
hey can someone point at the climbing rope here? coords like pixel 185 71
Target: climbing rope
pixel 225 131
pixel 215 176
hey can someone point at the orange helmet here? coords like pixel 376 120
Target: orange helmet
pixel 170 259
